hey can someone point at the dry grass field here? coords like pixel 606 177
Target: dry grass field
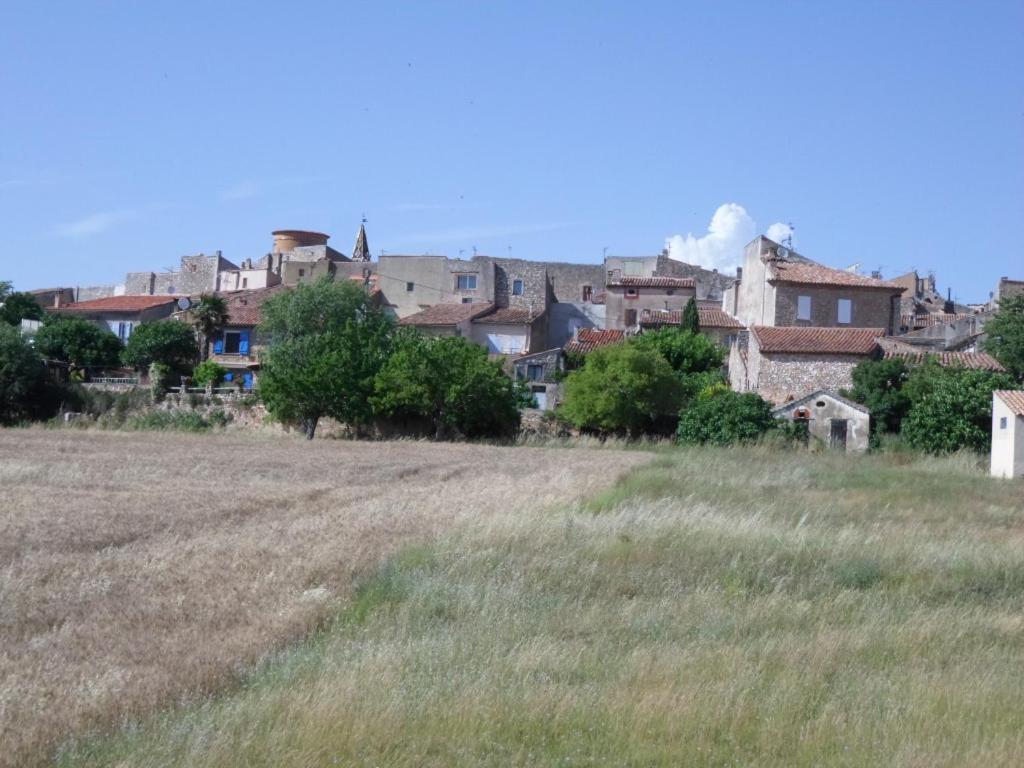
pixel 717 607
pixel 140 570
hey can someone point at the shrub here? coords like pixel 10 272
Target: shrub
pixel 879 385
pixel 625 388
pixel 1005 335
pixel 168 342
pixel 26 392
pixel 725 417
pixel 208 372
pixel 955 412
pixel 78 342
pixel 686 351
pixel 178 421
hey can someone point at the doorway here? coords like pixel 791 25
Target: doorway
pixel 837 434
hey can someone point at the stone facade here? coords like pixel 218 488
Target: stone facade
pixel 870 308
pixel 410 284
pixel 198 274
pixel 625 303
pixel 778 377
pixel 834 420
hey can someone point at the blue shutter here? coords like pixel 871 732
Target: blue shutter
pixel 247 381
pixel 243 343
pixel 218 346
pixel 229 376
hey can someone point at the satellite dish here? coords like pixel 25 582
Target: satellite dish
pixel 782 252
pixel 184 303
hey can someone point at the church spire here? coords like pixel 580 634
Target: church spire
pixel 361 250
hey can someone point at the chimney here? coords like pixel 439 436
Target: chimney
pixel 57 297
pixel 876 274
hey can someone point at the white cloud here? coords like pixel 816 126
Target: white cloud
pixel 721 247
pixel 778 232
pixel 94 224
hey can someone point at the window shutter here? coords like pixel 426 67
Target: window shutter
pixel 247 381
pixel 243 343
pixel 218 346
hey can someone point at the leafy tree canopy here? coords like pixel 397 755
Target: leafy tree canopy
pixel 168 342
pixel 625 388
pixel 724 417
pixel 954 409
pixel 879 385
pixel 686 351
pixel 209 314
pixel 450 382
pixel 78 342
pixel 25 390
pixel 208 372
pixel 1005 335
pixel 18 306
pixel 328 341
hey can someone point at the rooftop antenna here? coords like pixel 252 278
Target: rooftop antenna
pixel 510 251
pixel 474 250
pixel 788 239
pixel 604 252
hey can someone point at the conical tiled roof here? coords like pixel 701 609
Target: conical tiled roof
pixel 361 250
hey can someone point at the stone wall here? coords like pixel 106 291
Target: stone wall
pixel 780 377
pixel 858 423
pixel 534 275
pixel 198 274
pixel 647 298
pixel 711 284
pixel 412 283
pixel 564 318
pixel 871 308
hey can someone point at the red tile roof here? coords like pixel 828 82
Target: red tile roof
pixel 117 304
pixel 817 274
pixel 589 339
pixel 935 318
pixel 828 341
pixel 1014 399
pixel 446 314
pixel 511 315
pixel 245 308
pixel 654 282
pixel 979 361
pixel 709 318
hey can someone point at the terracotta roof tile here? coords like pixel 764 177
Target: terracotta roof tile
pixel 589 339
pixel 511 315
pixel 117 304
pixel 1014 399
pixel 654 282
pixel 709 318
pixel 446 314
pixel 979 361
pixel 932 319
pixel 245 308
pixel 817 274
pixel 810 340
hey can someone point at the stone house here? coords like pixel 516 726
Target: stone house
pixel 197 274
pixel 627 297
pixel 839 423
pixel 1007 458
pixel 1007 289
pixel 120 314
pixel 541 371
pixel 781 364
pixel 779 287
pixel 714 323
pixel 914 354
pixel 248 276
pixel 447 319
pixel 237 344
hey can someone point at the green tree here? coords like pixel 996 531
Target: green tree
pixel 686 351
pixel 724 417
pixel 168 342
pixel 78 342
pixel 1005 335
pixel 956 412
pixel 327 342
pixel 879 385
pixel 625 388
pixel 25 389
pixel 208 372
pixel 449 382
pixel 691 317
pixel 15 307
pixel 208 315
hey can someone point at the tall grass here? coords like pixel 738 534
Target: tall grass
pixel 717 607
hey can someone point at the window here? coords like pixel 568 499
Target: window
pixel 232 342
pixel 588 293
pixel 517 287
pixel 124 330
pixel 803 307
pixel 534 372
pixel 845 310
pixel 410 286
pixel 632 293
pixel 1002 422
pixel 466 300
pixel 302 273
pixel 466 283
pixel 630 318
pixel 245 282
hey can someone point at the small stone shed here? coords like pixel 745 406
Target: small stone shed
pixel 839 423
pixel 1008 433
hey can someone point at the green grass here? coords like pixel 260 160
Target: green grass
pixel 718 607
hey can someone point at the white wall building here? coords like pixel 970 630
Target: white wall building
pixel 1008 433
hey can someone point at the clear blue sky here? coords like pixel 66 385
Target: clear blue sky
pixel 890 133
